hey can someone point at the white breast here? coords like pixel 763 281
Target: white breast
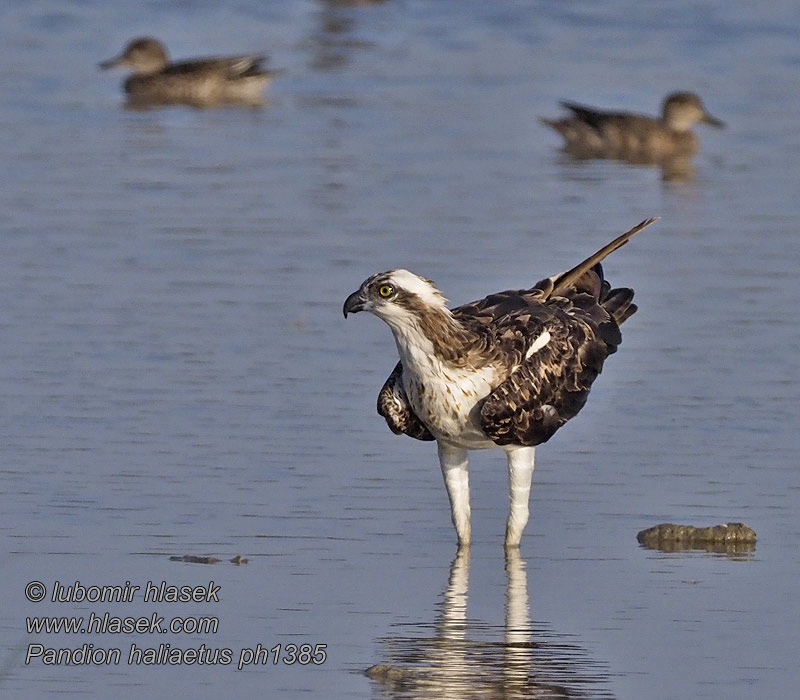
pixel 442 396
pixel 444 400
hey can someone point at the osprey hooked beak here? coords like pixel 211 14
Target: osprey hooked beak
pixel 354 303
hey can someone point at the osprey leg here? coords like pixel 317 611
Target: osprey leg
pixel 455 466
pixel 520 473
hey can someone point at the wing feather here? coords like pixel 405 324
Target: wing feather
pixel 232 66
pixel 591 116
pixel 581 313
pixel 394 406
pixel 552 385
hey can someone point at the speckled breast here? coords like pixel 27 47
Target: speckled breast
pixel 448 404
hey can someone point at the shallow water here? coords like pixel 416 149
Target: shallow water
pixel 177 378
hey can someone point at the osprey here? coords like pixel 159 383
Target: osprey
pixel 506 371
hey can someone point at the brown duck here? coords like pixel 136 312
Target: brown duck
pixel 202 82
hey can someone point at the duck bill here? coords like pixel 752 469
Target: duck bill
pixel 354 303
pixel 110 63
pixel 712 121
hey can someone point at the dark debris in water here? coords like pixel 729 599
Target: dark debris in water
pixel 193 559
pixel 725 538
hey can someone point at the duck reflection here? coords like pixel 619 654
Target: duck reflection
pixel 336 40
pixel 678 169
pixel 456 657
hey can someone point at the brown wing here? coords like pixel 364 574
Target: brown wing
pixel 231 66
pixel 394 406
pixel 552 385
pixel 596 118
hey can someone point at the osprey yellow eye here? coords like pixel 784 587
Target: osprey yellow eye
pixel 386 290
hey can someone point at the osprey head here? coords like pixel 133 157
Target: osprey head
pixel 394 295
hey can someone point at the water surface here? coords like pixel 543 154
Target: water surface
pixel 177 378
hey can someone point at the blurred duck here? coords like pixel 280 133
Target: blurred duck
pixel 594 133
pixel 202 82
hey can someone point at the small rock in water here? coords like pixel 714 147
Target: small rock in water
pixel 674 537
pixel 384 672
